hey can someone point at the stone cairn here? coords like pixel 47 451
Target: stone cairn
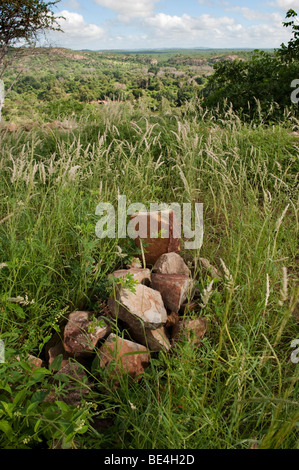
pixel 150 310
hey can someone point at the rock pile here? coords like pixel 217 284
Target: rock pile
pixel 146 307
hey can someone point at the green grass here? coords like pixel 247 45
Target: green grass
pixel 240 387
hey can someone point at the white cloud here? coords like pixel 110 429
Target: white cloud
pixel 127 9
pixel 287 4
pixel 76 30
pixel 254 15
pixel 186 23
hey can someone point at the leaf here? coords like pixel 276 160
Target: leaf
pixel 62 406
pixel 56 364
pixel 6 428
pixel 19 397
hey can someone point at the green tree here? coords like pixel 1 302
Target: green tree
pixel 21 24
pixel 291 51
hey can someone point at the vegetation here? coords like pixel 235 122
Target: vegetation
pixel 152 138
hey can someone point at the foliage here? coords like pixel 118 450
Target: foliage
pixel 260 84
pixel 239 388
pixel 291 51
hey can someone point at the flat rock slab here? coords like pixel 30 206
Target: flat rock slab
pixel 159 232
pixel 143 276
pixel 129 357
pixel 82 333
pixel 171 263
pixel 174 289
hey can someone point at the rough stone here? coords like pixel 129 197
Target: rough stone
pixel 159 232
pixel 140 275
pixel 82 333
pixel 141 311
pixel 171 263
pixel 194 329
pixel 129 357
pixel 174 289
pixel 144 306
pixel 34 362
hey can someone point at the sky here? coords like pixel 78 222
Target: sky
pixel 152 24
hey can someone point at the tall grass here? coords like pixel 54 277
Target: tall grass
pixel 239 389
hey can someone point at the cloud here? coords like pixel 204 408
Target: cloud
pixel 77 32
pixel 254 15
pixel 287 4
pixel 186 23
pixel 128 9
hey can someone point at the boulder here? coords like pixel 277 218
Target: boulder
pixel 82 333
pixel 174 289
pixel 141 311
pixel 129 357
pixel 159 232
pixel 193 329
pixel 171 263
pixel 144 306
pixel 143 276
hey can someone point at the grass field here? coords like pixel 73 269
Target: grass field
pixel 238 390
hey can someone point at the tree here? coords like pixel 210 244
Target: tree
pixel 291 51
pixel 21 24
pixel 261 84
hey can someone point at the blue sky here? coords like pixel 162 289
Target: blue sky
pixel 140 24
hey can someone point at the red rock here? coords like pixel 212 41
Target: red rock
pixel 82 333
pixel 141 311
pixel 174 289
pixel 192 329
pixel 143 276
pixel 125 354
pixel 145 305
pixel 33 361
pixel 171 263
pixel 160 233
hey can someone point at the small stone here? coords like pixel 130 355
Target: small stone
pixel 143 276
pixel 34 362
pixel 174 289
pixel 82 333
pixel 171 263
pixel 192 329
pixel 135 264
pixel 12 127
pixel 129 357
pixel 159 232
